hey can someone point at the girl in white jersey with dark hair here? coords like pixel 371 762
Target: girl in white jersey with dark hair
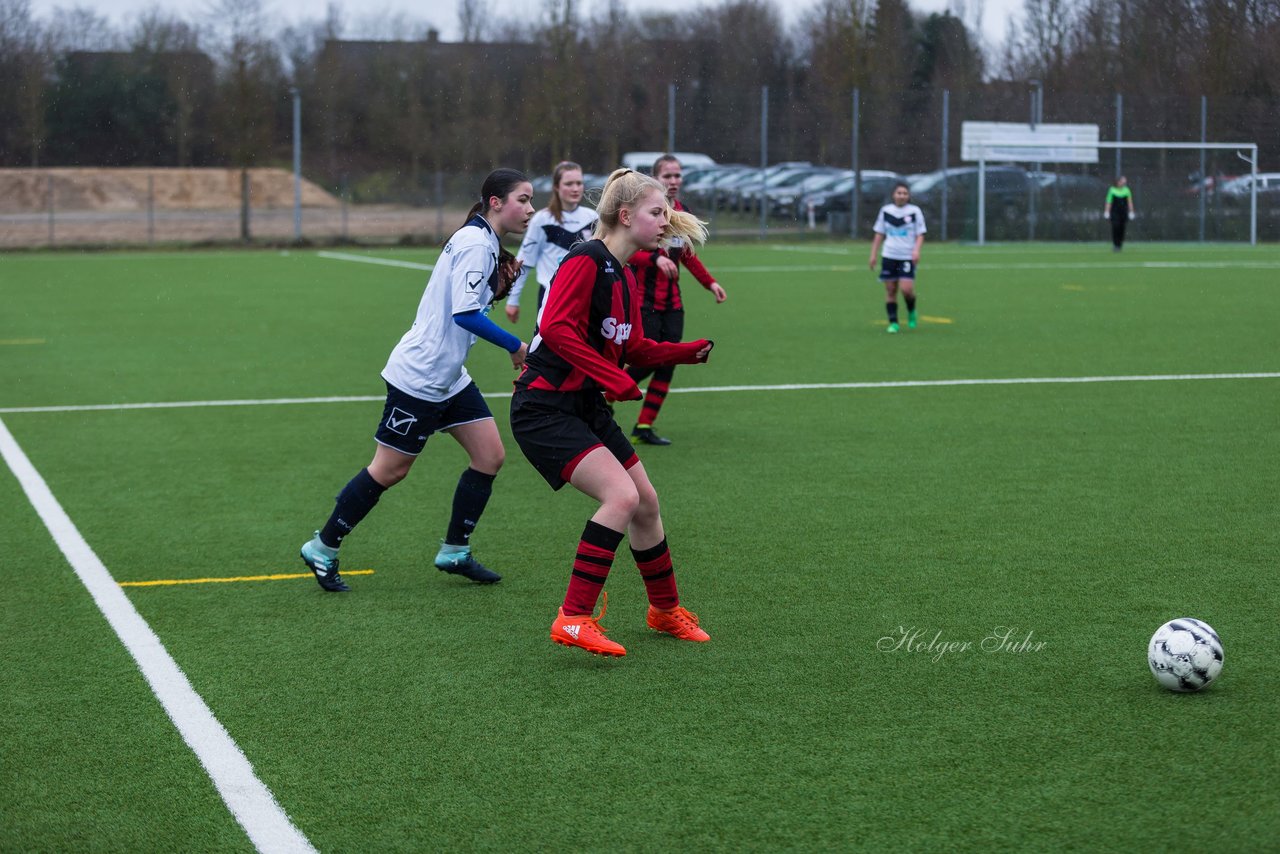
pixel 552 232
pixel 900 226
pixel 429 389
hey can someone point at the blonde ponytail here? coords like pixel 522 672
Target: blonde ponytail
pixel 625 188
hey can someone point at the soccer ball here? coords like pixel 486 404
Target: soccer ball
pixel 1185 654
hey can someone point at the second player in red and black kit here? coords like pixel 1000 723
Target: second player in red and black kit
pixel 658 276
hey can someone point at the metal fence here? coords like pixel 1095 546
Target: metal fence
pixel 786 167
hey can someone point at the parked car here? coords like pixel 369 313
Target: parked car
pixel 642 161
pixel 1268 182
pixel 876 187
pixel 1006 190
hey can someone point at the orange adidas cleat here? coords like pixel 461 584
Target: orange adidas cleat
pixel 681 622
pixel 585 632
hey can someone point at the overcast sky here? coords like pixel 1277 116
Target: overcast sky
pixel 443 13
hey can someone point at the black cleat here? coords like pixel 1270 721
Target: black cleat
pixel 462 563
pixel 646 436
pixel 323 567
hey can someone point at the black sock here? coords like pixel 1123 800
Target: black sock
pixel 354 503
pixel 469 500
pixel 911 303
pixel 892 308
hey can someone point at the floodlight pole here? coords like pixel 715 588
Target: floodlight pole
pixel 946 119
pixel 764 159
pixel 855 202
pixel 1204 122
pixel 1037 117
pixel 297 164
pixel 671 118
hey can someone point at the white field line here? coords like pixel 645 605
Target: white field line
pixel 849 268
pixel 1080 265
pixel 291 401
pixel 250 801
pixel 370 259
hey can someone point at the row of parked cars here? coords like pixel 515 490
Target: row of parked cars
pixel 800 190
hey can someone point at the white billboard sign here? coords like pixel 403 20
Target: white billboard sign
pixel 1022 143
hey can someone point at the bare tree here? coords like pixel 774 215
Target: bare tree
pixel 473 19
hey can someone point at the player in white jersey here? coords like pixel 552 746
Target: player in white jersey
pixel 429 389
pixel 900 226
pixel 552 232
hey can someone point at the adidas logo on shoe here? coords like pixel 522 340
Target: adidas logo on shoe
pixel 572 631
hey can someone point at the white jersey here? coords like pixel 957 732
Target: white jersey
pixel 547 241
pixel 428 361
pixel 900 227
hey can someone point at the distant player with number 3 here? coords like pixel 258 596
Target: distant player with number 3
pixel 900 227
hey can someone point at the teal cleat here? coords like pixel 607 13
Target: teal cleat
pixel 911 320
pixel 457 560
pixel 893 328
pixel 323 563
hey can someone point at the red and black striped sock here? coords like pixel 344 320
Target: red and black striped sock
pixel 653 399
pixel 659 576
pixel 590 568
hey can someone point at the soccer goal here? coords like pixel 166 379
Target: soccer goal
pixel 1182 191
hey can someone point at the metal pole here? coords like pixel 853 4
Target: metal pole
pixel 671 118
pixel 764 157
pixel 1253 198
pixel 1032 186
pixel 1204 128
pixel 151 209
pixel 946 122
pixel 48 185
pixel 855 202
pixel 297 164
pixel 982 198
pixel 439 206
pixel 346 193
pixel 1119 129
pixel 244 204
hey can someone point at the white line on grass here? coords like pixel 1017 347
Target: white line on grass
pixel 289 401
pixel 370 259
pixel 250 801
pixel 1082 265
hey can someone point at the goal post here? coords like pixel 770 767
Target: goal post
pixel 1034 154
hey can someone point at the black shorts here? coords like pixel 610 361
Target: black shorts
pixel 892 268
pixel 664 325
pixel 555 430
pixel 408 421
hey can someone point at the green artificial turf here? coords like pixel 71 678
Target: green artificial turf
pixel 929 604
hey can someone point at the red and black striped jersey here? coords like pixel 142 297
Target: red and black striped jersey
pixel 590 326
pixel 657 292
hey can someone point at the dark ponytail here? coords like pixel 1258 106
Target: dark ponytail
pixel 499 183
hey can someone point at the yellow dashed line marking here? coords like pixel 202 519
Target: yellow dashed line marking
pixel 18 341
pixel 277 577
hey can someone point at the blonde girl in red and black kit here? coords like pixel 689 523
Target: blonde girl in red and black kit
pixel 590 327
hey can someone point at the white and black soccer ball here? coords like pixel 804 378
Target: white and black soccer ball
pixel 1185 654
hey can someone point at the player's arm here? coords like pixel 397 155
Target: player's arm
pixel 564 327
pixel 647 353
pixel 920 230
pixel 699 271
pixel 875 249
pixel 530 252
pixel 469 285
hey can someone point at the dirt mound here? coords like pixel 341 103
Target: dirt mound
pixel 26 191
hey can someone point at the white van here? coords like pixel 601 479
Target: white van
pixel 642 161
